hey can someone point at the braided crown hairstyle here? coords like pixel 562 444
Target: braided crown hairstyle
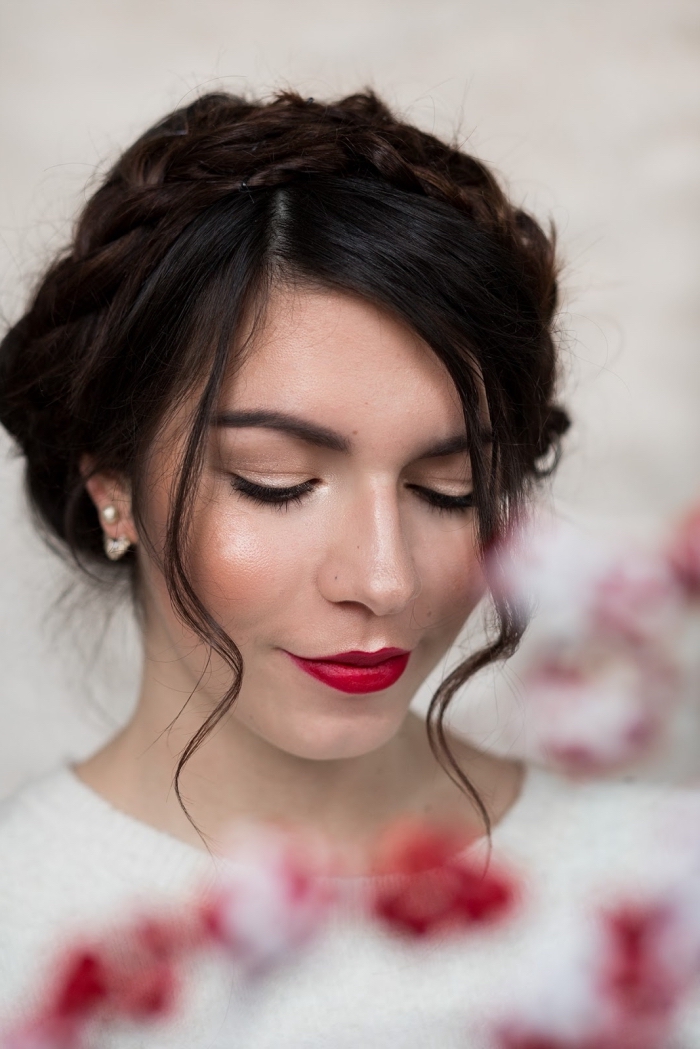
pixel 195 222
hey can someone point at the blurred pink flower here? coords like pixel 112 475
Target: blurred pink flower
pixel 272 896
pixel 639 986
pixel 130 973
pixel 82 987
pixel 636 598
pixel 601 671
pixel 621 980
pixel 684 553
pixel 594 716
pixel 580 586
pixel 631 991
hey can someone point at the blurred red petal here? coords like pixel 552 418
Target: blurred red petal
pixel 147 993
pixel 635 974
pixel 85 985
pixel 431 886
pixel 410 846
pixel 517 1040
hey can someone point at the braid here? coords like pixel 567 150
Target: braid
pixel 219 143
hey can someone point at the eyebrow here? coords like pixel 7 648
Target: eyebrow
pixel 292 424
pixel 323 436
pixel 450 446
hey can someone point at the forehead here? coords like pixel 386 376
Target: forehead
pixel 345 361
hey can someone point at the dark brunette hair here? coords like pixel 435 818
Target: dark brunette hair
pixel 192 227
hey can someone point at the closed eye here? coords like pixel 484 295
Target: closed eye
pixel 287 495
pixel 441 501
pixel 272 495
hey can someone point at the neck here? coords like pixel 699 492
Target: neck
pixel 236 773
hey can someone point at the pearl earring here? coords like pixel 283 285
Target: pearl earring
pixel 116 548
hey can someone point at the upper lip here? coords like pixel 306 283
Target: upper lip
pixel 358 658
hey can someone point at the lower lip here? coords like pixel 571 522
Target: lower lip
pixel 355 679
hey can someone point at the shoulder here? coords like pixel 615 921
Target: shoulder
pixel 625 833
pixel 36 822
pixel 69 864
pixel 610 800
pixel 38 878
pixel 59 839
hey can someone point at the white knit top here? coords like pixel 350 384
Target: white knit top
pixel 70 862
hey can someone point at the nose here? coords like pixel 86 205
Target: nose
pixel 368 560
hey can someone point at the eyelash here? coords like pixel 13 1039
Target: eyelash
pixel 444 503
pixel 283 498
pixel 280 498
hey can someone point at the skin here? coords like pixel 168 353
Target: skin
pixel 362 561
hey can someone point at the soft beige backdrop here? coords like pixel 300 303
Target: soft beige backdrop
pixel 588 109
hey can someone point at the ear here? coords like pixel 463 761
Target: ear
pixel 110 490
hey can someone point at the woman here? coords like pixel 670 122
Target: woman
pixel 295 371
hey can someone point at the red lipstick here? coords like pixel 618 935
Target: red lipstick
pixel 357 671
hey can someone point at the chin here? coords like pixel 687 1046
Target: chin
pixel 334 738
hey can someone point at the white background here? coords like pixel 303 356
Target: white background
pixel 588 110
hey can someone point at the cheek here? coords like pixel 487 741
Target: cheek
pixel 452 579
pixel 247 567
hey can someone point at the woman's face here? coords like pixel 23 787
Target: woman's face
pixel 333 517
